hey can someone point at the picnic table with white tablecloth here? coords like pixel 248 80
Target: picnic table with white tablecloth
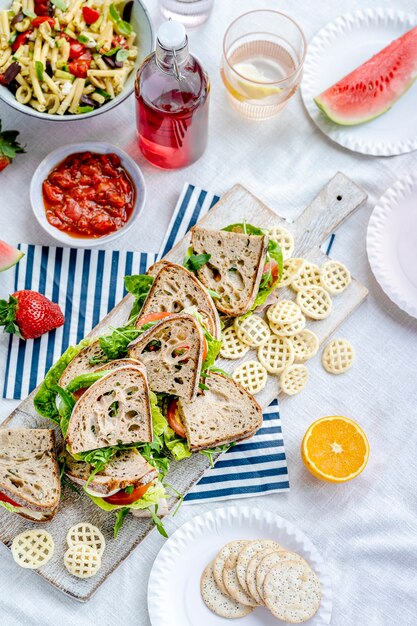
pixel 366 529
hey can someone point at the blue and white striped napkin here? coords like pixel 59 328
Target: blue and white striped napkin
pixel 87 284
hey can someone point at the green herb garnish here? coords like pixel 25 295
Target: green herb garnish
pixel 122 55
pixel 39 70
pixel 120 518
pixel 60 4
pixel 194 262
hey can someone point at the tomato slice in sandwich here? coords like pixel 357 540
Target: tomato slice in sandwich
pixel 4 498
pixel 122 497
pixel 174 419
pixel 154 317
pixel 151 317
pixel 271 267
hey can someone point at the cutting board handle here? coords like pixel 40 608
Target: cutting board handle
pixel 330 208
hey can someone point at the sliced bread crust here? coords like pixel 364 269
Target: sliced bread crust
pixel 115 409
pixel 172 352
pixel 126 468
pixel 29 472
pixel 235 267
pixel 224 413
pixel 175 289
pixel 80 364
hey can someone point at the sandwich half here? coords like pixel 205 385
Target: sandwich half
pixel 114 410
pixel 234 269
pixel 106 418
pixel 29 473
pixel 222 413
pixel 172 350
pixel 175 289
pixel 127 483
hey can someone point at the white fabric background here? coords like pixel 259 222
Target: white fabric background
pixel 367 529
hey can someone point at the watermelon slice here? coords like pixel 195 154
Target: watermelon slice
pixel 9 256
pixel 373 87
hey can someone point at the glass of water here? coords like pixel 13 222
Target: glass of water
pixel 189 12
pixel 263 56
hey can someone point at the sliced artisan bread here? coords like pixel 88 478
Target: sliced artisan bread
pixel 29 473
pixel 81 364
pixel 175 289
pixel 115 409
pixel 126 468
pixel 225 412
pixel 235 267
pixel 116 364
pixel 156 268
pixel 172 352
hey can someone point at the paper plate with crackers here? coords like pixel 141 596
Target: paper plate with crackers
pixel 239 562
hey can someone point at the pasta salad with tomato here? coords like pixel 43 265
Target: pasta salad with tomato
pixel 66 56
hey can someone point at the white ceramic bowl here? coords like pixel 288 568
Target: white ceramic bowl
pixel 53 159
pixel 141 24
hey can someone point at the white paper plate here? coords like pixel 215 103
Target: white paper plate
pixel 392 243
pixel 174 585
pixel 339 48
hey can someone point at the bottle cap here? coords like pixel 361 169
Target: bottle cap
pixel 172 35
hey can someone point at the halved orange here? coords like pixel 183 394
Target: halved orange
pixel 335 449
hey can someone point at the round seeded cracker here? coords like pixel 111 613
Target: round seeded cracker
pixel 246 554
pixel 292 592
pixel 233 547
pixel 232 584
pixel 268 562
pixel 217 601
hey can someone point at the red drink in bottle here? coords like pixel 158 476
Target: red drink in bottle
pixel 172 100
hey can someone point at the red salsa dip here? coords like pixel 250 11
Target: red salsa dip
pixel 88 195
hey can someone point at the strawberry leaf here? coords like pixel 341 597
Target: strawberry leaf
pixel 9 146
pixel 8 316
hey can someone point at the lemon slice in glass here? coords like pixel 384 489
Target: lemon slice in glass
pixel 251 90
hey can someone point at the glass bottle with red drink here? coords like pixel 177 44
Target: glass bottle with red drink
pixel 172 101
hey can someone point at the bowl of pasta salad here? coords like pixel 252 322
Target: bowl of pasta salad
pixel 62 60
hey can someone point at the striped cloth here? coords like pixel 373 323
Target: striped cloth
pixel 258 465
pixel 87 284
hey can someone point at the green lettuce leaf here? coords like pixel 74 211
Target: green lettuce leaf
pixel 194 262
pixel 115 345
pixel 139 286
pixel 45 398
pixel 213 345
pixel 149 501
pixel 67 403
pixel 159 421
pixel 9 507
pixel 213 348
pixel 152 497
pixel 176 445
pixel 83 381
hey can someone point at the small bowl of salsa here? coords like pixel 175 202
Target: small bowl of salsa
pixel 87 194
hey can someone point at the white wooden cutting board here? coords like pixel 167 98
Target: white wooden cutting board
pixel 337 200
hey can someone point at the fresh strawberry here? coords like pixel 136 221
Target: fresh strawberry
pixel 4 162
pixel 29 314
pixel 9 147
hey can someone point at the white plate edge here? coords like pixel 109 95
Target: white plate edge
pixel 319 42
pixel 385 205
pixel 188 529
